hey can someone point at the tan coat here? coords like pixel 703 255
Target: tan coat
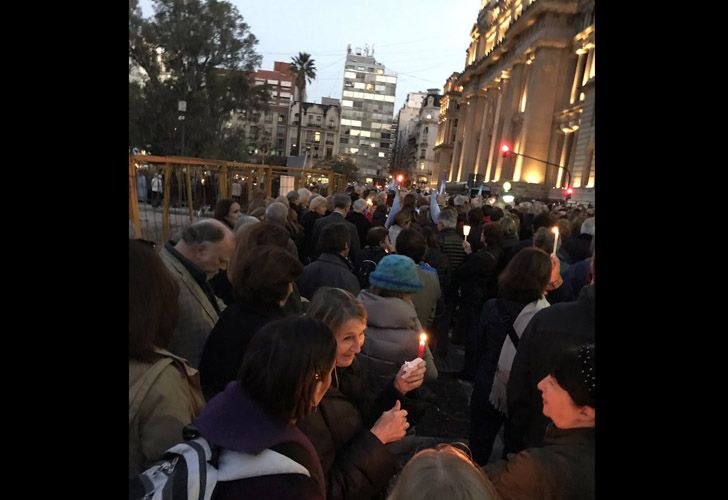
pixel 173 401
pixel 196 315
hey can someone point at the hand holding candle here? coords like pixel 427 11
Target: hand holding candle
pixel 555 230
pixel 423 342
pixel 466 230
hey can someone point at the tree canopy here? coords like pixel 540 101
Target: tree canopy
pixel 200 52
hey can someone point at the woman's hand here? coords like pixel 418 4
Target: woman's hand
pixel 410 379
pixel 466 246
pixel 392 425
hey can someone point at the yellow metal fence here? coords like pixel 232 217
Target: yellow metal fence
pixel 168 192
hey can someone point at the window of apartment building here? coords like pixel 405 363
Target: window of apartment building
pixel 346 103
pixel 386 135
pixel 384 145
pixel 359 85
pixel 317 137
pixel 332 124
pixel 259 82
pixel 422 154
pixel 318 118
pixel 380 71
pixel 348 85
pixel 370 87
pixel 350 66
pixel 281 118
pixel 361 68
pixel 381 154
pixel 349 74
pixel 343 140
pixel 273 82
pixel 358 105
pixel 286 95
pixel 354 131
pixel 353 150
pixel 285 83
pixel 329 152
pixel 380 88
pixel 427 129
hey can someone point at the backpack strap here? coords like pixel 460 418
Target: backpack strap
pixel 509 322
pixel 139 390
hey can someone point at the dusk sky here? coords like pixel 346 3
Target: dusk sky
pixel 422 42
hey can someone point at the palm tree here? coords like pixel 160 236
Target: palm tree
pixel 303 68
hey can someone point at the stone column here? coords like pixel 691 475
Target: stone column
pixel 475 104
pixel 492 155
pixel 506 118
pixel 457 143
pixel 483 142
pixel 539 114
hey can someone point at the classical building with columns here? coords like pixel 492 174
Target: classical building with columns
pixel 528 82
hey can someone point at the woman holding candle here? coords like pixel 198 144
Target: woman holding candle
pixel 393 328
pixel 352 426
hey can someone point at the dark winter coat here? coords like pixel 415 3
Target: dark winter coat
pixel 563 469
pixel 233 421
pixel 355 463
pixel 328 270
pixel 549 333
pixel 228 341
pixel 362 225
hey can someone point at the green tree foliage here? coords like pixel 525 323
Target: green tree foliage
pixel 342 165
pixel 200 52
pixel 303 68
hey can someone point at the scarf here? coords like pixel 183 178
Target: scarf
pixel 508 353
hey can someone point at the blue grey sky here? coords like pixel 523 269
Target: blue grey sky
pixel 421 41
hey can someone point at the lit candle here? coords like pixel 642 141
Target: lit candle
pixel 466 230
pixel 369 202
pixel 423 341
pixel 555 230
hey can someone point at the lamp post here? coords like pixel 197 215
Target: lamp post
pixel 506 150
pixel 182 108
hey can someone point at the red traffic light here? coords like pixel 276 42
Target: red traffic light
pixel 505 150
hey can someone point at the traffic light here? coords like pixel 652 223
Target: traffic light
pixel 505 150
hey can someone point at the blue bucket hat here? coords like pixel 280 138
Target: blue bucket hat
pixel 397 273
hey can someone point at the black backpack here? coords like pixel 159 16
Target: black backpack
pixel 365 269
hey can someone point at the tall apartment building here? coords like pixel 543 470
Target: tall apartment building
pixel 416 135
pixel 266 130
pixel 367 109
pixel 319 129
pixel 529 82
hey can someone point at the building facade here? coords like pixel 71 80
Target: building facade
pixel 367 109
pixel 319 129
pixel 266 131
pixel 528 82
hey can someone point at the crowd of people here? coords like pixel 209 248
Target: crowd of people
pixel 291 328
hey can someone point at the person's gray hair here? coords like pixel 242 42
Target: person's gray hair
pixel 588 226
pixel 316 202
pixel 277 212
pixel 282 199
pixel 342 200
pixel 304 195
pixel 244 220
pixel 292 197
pixel 460 200
pixel 205 230
pixel 360 205
pixel 448 218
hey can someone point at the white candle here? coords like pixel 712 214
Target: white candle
pixel 555 230
pixel 466 230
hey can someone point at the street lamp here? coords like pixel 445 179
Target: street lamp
pixel 507 151
pixel 182 108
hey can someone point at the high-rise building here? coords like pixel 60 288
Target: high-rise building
pixel 367 108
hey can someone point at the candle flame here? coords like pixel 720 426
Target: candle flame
pixel 423 338
pixel 555 229
pixel 466 230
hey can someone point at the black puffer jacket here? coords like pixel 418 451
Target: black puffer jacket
pixel 356 464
